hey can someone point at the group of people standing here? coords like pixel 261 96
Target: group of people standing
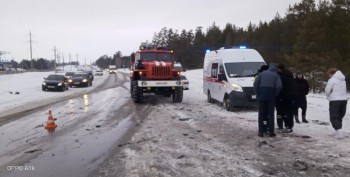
pixel 291 97
pixel 277 88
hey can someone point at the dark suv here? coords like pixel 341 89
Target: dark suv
pixel 81 79
pixel 55 82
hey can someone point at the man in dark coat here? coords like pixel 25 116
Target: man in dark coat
pixel 265 121
pixel 267 85
pixel 301 102
pixel 286 100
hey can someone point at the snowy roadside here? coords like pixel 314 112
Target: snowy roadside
pixel 29 87
pixel 317 111
pixel 196 138
pixel 124 70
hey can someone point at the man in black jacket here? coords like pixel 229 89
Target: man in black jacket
pixel 301 102
pixel 286 100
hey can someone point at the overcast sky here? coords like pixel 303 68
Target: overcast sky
pixel 92 28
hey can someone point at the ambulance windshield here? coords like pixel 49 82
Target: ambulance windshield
pixel 244 69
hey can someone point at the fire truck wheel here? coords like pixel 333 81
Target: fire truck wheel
pixel 131 87
pixel 178 95
pixel 136 92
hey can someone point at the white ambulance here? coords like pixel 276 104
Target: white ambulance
pixel 228 76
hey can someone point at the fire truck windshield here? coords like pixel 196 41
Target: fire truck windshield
pixel 156 56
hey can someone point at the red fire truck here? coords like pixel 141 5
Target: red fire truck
pixel 153 72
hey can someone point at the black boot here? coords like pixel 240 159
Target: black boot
pixel 280 122
pixel 297 119
pixel 304 119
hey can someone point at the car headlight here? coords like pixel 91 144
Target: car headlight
pixel 70 80
pixel 84 80
pixel 59 84
pixel 44 83
pixel 237 88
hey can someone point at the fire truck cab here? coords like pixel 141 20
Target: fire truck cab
pixel 153 72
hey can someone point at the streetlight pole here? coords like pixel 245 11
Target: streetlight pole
pixel 85 65
pixel 31 50
pixel 55 54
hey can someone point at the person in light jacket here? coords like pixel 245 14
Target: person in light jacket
pixel 336 94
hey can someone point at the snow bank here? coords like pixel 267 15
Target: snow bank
pixel 124 70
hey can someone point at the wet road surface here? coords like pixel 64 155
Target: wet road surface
pixel 91 125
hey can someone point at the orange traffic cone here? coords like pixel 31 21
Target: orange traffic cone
pixel 50 124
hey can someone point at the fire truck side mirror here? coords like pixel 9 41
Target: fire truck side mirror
pixel 140 65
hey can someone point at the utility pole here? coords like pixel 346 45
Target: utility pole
pixel 70 61
pixel 55 54
pixel 77 60
pixel 85 65
pixel 31 50
pixel 63 60
pixel 58 57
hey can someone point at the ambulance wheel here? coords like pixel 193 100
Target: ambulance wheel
pixel 210 100
pixel 227 104
pixel 178 95
pixel 137 92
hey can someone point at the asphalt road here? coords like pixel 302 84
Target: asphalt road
pixel 91 125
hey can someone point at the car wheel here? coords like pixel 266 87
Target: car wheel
pixel 63 89
pixel 67 88
pixel 137 92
